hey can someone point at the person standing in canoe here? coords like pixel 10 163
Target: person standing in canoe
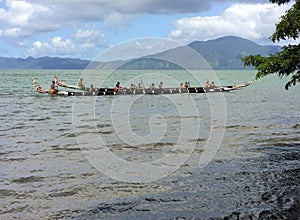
pixel 80 84
pixel 52 90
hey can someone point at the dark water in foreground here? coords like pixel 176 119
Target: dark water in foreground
pixel 254 174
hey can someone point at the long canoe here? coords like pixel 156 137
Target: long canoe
pixel 124 91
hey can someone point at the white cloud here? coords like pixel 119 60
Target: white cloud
pixel 36 16
pixel 55 46
pixel 90 38
pixel 10 33
pixel 40 48
pixel 61 46
pixel 25 17
pixel 37 44
pixel 252 21
pixel 23 21
pixel 83 34
pixel 78 44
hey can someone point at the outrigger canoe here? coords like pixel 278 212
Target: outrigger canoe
pixel 125 91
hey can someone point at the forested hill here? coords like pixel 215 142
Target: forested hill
pixel 222 53
pixel 226 52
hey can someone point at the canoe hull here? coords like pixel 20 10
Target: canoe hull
pixel 110 92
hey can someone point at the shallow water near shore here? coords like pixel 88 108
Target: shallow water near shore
pixel 46 174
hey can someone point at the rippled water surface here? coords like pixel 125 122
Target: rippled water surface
pixel 54 161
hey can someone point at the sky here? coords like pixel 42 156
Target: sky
pixel 85 28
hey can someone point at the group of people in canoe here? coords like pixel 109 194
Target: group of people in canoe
pixel 80 85
pixel 56 82
pixel 151 87
pixel 140 85
pixel 139 88
pixel 208 85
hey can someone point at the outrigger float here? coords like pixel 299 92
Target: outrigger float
pixel 126 91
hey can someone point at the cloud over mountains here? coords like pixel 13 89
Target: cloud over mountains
pixel 79 25
pixel 252 21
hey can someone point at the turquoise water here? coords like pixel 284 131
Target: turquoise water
pixel 51 149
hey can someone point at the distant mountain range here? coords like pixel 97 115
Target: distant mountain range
pixel 227 52
pixel 222 53
pixel 42 63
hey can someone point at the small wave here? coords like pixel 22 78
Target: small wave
pixel 287 144
pixel 114 208
pixel 5 193
pixel 63 214
pixel 82 133
pixel 68 135
pixel 36 171
pixel 85 127
pixel 63 193
pixel 63 129
pixel 19 209
pixel 29 179
pixel 4 153
pixel 57 147
pixel 72 149
pixel 86 175
pixel 282 142
pixel 163 200
pixel 104 126
pixel 106 132
pixel 22 127
pixel 240 127
pixel 40 119
pixel 17 159
pixel 144 146
pixel 197 140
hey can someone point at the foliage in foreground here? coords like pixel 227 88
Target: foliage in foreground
pixel 286 62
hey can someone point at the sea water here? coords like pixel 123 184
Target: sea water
pixel 62 157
